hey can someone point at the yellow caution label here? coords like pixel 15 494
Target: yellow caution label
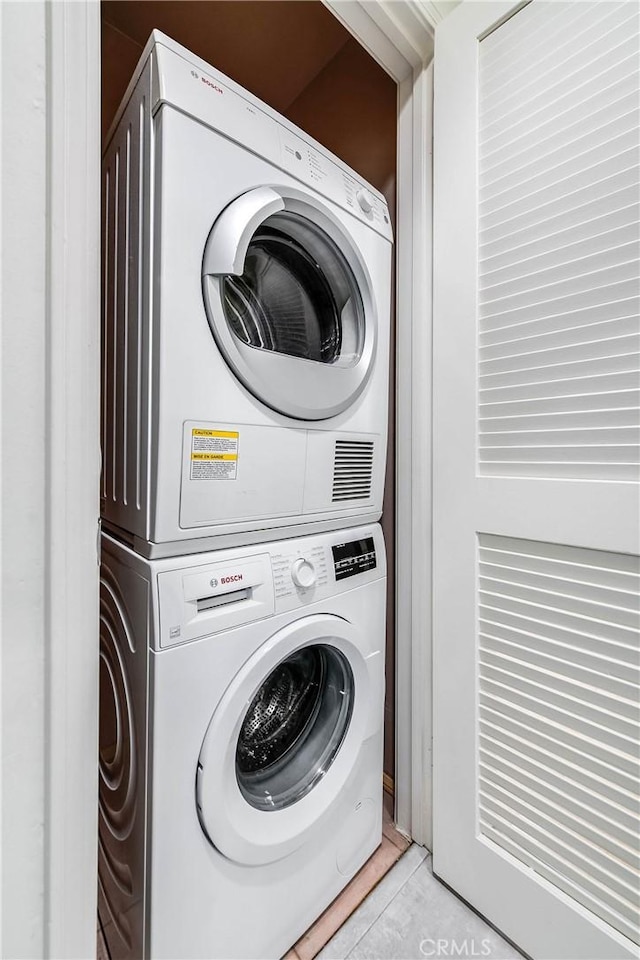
pixel 216 433
pixel 214 454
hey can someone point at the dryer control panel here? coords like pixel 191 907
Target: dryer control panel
pixel 197 89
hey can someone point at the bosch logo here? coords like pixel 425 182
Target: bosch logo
pixel 232 579
pixel 213 582
pixel 213 86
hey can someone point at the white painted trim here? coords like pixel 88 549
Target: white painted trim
pixel 404 462
pixel 399 37
pixel 406 28
pixel 50 475
pixel 434 11
pixel 355 16
pixel 22 433
pixel 413 461
pixel 72 476
pixel 419 438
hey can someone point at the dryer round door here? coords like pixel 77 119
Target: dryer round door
pixel 289 302
pixel 284 740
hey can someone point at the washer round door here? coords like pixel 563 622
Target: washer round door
pixel 283 740
pixel 289 303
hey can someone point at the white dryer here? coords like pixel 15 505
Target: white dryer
pixel 247 276
pixel 240 741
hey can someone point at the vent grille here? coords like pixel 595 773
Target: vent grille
pixel 352 470
pixel 124 414
pixel 559 244
pixel 559 718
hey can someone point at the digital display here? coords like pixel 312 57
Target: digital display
pixel 353 557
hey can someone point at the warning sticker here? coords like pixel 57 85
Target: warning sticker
pixel 214 454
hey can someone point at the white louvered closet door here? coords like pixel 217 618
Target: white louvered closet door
pixel 536 471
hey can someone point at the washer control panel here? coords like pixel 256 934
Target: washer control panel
pixel 216 591
pixel 307 570
pixel 303 573
pixel 353 557
pixel 299 569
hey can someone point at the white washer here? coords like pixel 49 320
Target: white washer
pixel 240 741
pixel 247 279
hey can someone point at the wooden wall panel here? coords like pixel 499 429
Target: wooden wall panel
pixel 120 55
pixel 351 108
pixel 274 48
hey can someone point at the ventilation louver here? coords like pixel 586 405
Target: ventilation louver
pixel 559 236
pixel 352 470
pixel 559 718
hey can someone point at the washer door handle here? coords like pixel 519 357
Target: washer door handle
pixel 231 234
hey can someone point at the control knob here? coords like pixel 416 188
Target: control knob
pixel 365 200
pixel 303 573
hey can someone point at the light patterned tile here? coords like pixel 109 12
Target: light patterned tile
pixel 427 919
pixel 373 906
pixel 351 897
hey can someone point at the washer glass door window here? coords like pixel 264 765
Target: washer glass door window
pixel 294 727
pixel 286 736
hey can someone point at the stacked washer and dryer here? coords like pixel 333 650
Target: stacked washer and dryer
pixel 247 278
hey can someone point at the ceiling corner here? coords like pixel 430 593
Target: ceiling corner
pixel 407 26
pixel 397 33
pixel 434 11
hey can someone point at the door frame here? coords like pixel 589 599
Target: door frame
pixel 58 48
pixel 50 219
pixel 399 36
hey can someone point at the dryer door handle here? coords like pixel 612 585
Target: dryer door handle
pixel 226 248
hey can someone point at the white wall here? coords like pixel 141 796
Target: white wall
pixel 23 425
pixel 49 302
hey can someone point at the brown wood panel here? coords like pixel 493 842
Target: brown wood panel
pixel 120 55
pixel 351 108
pixel 272 48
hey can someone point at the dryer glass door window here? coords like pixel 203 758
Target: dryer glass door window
pixel 297 295
pixel 294 727
pixel 290 303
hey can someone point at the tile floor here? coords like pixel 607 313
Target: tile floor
pixel 393 845
pixel 411 916
pixel 394 909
